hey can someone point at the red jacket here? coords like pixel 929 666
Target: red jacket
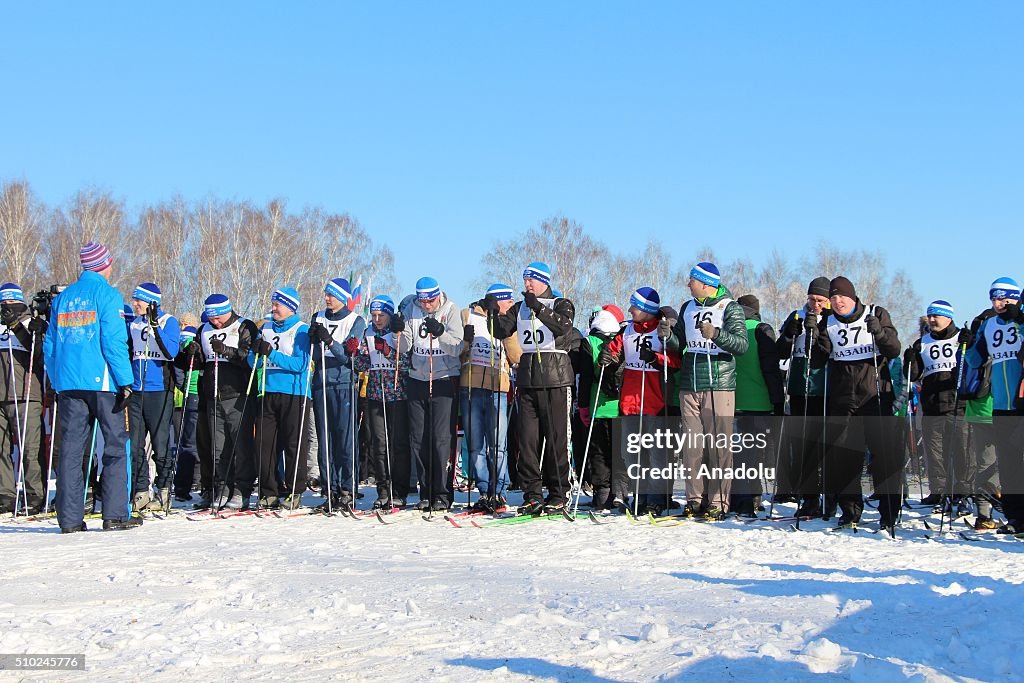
pixel 635 382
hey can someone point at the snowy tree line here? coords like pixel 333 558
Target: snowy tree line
pixel 190 249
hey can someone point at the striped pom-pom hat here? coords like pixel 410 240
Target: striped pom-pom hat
pixel 339 289
pixel 95 257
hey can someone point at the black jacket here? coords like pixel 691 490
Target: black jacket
pixel 851 384
pixel 544 370
pixel 233 373
pixel 938 390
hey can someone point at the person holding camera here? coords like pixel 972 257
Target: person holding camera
pixel 154 337
pixel 86 359
pixel 21 405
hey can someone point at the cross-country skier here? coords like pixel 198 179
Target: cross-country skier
pixel 712 332
pixel 336 334
pixel 432 332
pixel 543 326
pixel 154 338
pixel 856 342
pixel 21 348
pixel 485 383
pixel 283 351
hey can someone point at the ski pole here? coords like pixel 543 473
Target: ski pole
pixel 17 421
pixel 430 426
pixel 326 431
pixel 353 409
pixel 961 363
pixel 469 430
pixel 636 488
pixel 782 427
pixel 302 434
pixel 49 455
pixel 181 429
pixel 590 434
pixel 384 411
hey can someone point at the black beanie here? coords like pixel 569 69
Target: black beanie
pixel 819 287
pixel 842 287
pixel 751 302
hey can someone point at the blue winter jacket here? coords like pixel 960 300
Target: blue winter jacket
pixel 287 373
pixel 1006 369
pixel 337 362
pixel 159 374
pixel 86 347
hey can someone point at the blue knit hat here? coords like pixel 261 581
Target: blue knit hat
pixel 147 292
pixel 288 297
pixel 188 332
pixel 707 273
pixel 1004 288
pixel 557 293
pixel 500 291
pixel 216 304
pixel 940 307
pixel 11 292
pixel 339 289
pixel 204 318
pixel 646 299
pixel 427 288
pixel 383 303
pixel 538 271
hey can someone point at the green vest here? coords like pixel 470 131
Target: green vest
pixel 751 390
pixel 607 406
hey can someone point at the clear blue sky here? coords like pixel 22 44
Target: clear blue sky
pixel 743 125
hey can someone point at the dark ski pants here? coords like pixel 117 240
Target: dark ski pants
pixel 149 413
pixel 284 420
pixel 33 455
pixel 230 423
pixel 544 417
pixel 185 445
pixel 945 446
pixel 847 437
pixel 607 468
pixel 430 435
pixel 801 471
pixel 391 473
pixel 75 418
pixel 337 434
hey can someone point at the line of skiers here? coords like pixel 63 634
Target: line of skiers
pixel 240 395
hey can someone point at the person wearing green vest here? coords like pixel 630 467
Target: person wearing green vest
pixel 799 476
pixel 600 403
pixel 759 395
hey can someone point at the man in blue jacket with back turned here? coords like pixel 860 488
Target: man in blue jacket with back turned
pixel 86 354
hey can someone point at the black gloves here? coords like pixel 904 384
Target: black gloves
pixel 196 350
pixel 532 302
pixel 965 338
pixel 320 333
pixel 36 325
pixel 468 332
pixel 490 304
pixel 218 346
pixel 121 400
pixel 908 359
pixel 397 323
pixel 152 315
pixel 433 327
pixel 605 357
pixel 1011 313
pixel 648 355
pixel 665 328
pixel 261 347
pixel 793 327
pixel 872 324
pixel 8 316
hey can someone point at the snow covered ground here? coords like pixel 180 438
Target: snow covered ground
pixel 314 599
